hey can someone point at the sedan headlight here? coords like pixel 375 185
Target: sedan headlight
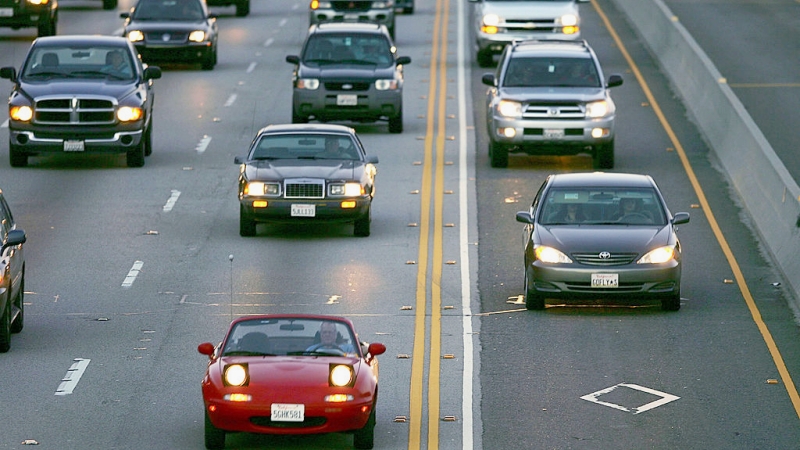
pixel 341 375
pixel 386 85
pixel 507 108
pixel 129 114
pixel 599 109
pixel 658 256
pixel 311 84
pixel 197 36
pixel 550 255
pixel 261 188
pixel 21 113
pixel 135 36
pixel 235 375
pixel 346 189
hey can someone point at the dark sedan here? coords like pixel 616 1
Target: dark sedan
pixel 173 31
pixel 299 173
pixel 601 236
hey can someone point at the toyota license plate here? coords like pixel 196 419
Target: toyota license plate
pixel 287 412
pixel 605 280
pixel 73 146
pixel 552 133
pixel 6 12
pixel 346 100
pixel 304 210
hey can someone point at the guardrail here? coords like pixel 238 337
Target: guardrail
pixel 769 193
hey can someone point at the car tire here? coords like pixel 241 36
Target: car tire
pixel 396 123
pixel 5 328
pixel 210 60
pixel 19 321
pixel 408 10
pixel 672 303
pixel 533 300
pixel 148 140
pixel 135 156
pixel 17 157
pixel 47 27
pixel 604 156
pixel 247 226
pixel 298 119
pixel 365 437
pixel 243 8
pixel 109 4
pixel 361 227
pixel 214 437
pixel 498 155
pixel 485 58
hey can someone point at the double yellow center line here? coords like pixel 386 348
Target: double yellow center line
pixel 432 191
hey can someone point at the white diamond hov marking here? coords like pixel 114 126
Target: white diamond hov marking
pixel 665 398
pixel 72 377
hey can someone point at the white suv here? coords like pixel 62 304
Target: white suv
pixel 500 22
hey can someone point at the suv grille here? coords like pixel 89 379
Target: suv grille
pixel 304 189
pixel 337 86
pixel 75 110
pixel 540 26
pixel 352 6
pixel 593 259
pixel 163 37
pixel 553 111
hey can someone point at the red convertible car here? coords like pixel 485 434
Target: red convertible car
pixel 290 374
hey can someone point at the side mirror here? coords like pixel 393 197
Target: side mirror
pixel 524 217
pixel 239 159
pixel 8 73
pixel 679 218
pixel 294 59
pixel 152 72
pixel 374 350
pixel 488 79
pixel 614 80
pixel 403 60
pixel 15 237
pixel 206 348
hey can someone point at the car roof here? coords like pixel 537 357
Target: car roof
pixel 601 179
pixel 554 47
pixel 339 27
pixel 77 39
pixel 307 127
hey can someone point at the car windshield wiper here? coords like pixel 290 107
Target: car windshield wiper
pixel 246 353
pixel 330 352
pixel 45 74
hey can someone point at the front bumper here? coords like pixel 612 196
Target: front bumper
pixel 39 139
pixel 495 43
pixel 329 210
pixel 30 17
pixel 372 104
pixel 186 53
pixel 551 136
pixel 573 281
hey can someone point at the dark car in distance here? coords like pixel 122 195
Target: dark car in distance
pixel 601 236
pixel 306 173
pixel 81 94
pixel 42 14
pixel 348 71
pixel 242 6
pixel 12 276
pixel 173 31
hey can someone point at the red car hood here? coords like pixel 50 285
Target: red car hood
pixel 297 371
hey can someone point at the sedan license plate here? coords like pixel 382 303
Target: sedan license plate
pixel 346 100
pixel 351 17
pixel 304 210
pixel 605 280
pixel 552 133
pixel 6 12
pixel 73 146
pixel 288 412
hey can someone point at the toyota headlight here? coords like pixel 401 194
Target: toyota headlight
pixel 550 255
pixel 602 108
pixel 510 109
pixel 658 256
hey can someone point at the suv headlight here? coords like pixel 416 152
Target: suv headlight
pixel 507 108
pixel 599 109
pixel 386 85
pixel 21 113
pixel 197 36
pixel 311 84
pixel 316 4
pixel 569 20
pixel 383 4
pixel 491 20
pixel 135 36
pixel 38 2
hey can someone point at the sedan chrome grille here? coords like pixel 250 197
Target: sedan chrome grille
pixel 604 258
pixel 304 188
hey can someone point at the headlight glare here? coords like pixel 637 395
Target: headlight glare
pixel 197 36
pixel 341 375
pixel 235 375
pixel 507 108
pixel 21 113
pixel 550 255
pixel 599 109
pixel 129 114
pixel 491 19
pixel 658 256
pixel 569 20
pixel 255 188
pixel 135 36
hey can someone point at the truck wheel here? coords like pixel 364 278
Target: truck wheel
pixel 5 328
pixel 16 157
pixel 485 58
pixel 498 155
pixel 247 226
pixel 396 123
pixel 603 157
pixel 243 8
pixel 19 322
pixel 135 156
pixel 109 4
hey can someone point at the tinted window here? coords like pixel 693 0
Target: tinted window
pixel 332 48
pixel 534 72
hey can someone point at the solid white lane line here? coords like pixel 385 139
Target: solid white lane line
pixel 72 377
pixel 132 274
pixel 172 200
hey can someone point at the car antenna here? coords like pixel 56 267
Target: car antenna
pixel 230 258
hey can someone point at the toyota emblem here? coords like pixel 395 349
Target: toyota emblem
pixel 604 255
pixel 165 37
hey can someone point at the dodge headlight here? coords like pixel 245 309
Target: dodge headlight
pixel 658 256
pixel 550 255
pixel 129 114
pixel 341 375
pixel 21 113
pixel 507 108
pixel 235 375
pixel 135 36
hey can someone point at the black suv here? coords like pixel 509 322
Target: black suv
pixel 242 6
pixel 12 276
pixel 42 14
pixel 77 94
pixel 549 98
pixel 348 71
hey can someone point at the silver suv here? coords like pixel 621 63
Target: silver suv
pixel 549 98
pixel 500 22
pixel 372 11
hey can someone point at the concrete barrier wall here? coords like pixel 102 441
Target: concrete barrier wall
pixel 769 194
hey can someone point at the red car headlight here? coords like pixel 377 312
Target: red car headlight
pixel 341 375
pixel 235 375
